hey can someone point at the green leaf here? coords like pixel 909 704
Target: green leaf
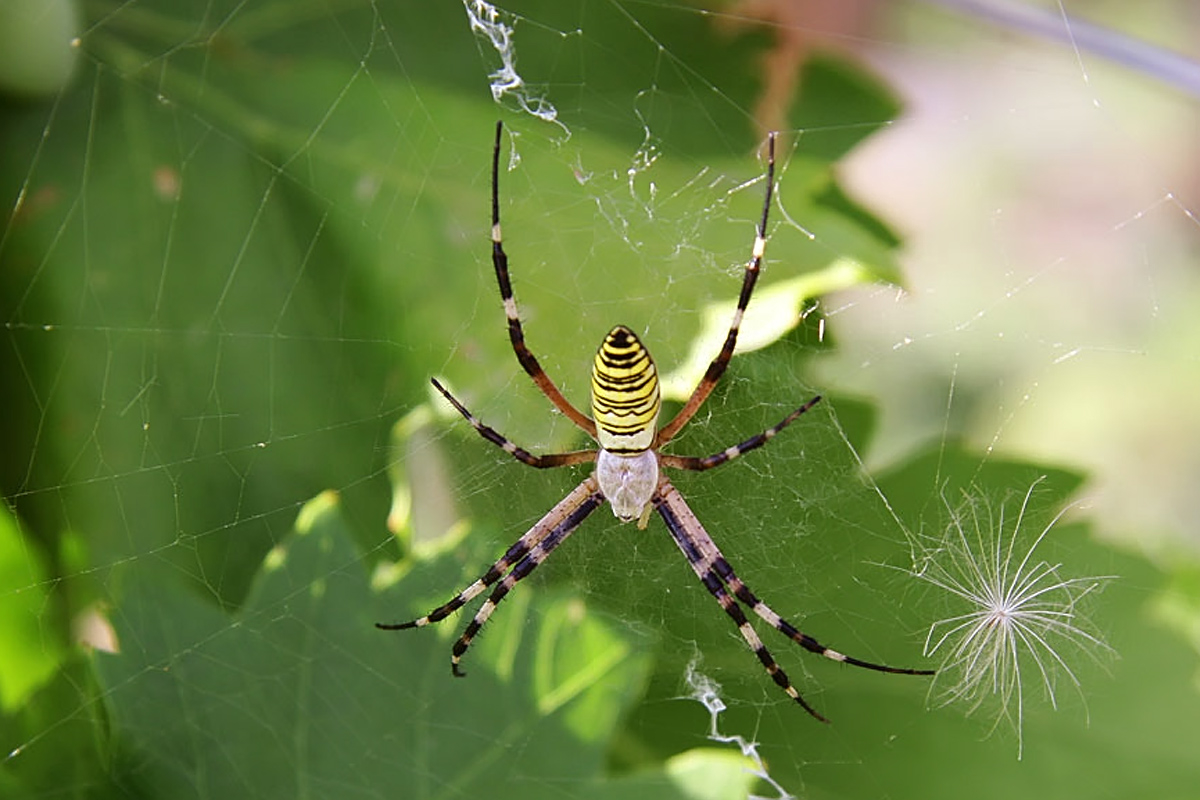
pixel 300 693
pixel 29 650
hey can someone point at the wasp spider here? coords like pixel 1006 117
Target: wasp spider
pixel 625 408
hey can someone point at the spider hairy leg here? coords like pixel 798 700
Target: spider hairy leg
pixel 717 368
pixel 521 558
pixel 515 553
pixel 700 464
pixel 505 444
pixel 713 584
pixel 569 518
pixel 743 593
pixel 715 573
pixel 516 335
pixel 678 524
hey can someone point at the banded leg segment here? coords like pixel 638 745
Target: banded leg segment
pixel 717 368
pixel 563 527
pixel 692 539
pixel 580 497
pixel 515 334
pixel 709 563
pixel 519 453
pixel 699 464
pixel 743 593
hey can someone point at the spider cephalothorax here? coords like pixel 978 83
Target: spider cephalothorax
pixel 628 474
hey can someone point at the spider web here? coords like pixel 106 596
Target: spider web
pixel 242 236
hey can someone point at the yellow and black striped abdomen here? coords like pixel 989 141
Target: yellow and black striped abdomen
pixel 625 398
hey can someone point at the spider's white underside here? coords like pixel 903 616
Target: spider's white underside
pixel 628 483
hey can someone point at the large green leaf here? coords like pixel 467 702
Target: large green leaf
pixel 300 695
pixel 242 241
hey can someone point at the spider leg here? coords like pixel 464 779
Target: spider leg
pixel 528 361
pixel 713 558
pixel 743 593
pixel 717 368
pixel 520 560
pixel 698 464
pixel 567 519
pixel 709 563
pixel 695 543
pixel 519 453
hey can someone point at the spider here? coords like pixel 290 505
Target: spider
pixel 625 408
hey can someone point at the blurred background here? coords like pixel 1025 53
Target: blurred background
pixel 241 237
pixel 1055 233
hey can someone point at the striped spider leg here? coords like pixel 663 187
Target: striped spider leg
pixel 625 406
pixel 520 560
pixel 719 578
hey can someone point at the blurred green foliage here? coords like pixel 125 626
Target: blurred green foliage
pixel 248 234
